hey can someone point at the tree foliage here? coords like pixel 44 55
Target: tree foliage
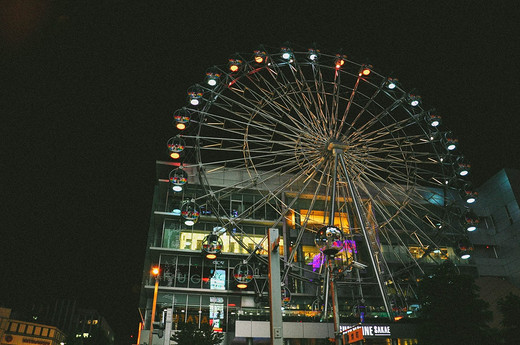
pixel 190 334
pixel 509 307
pixel 451 310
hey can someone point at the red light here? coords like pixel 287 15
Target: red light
pixel 241 286
pixel 233 68
pixel 175 155
pixel 205 280
pixel 181 126
pixel 232 305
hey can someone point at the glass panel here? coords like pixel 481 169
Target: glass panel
pixel 22 327
pixel 14 326
pixel 30 329
pixel 168 263
pixel 195 277
pixel 171 234
pixel 183 267
pixel 179 309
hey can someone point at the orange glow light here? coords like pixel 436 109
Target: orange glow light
pixel 155 271
pixel 233 68
pixel 211 256
pixel 241 286
pixel 366 71
pixel 259 59
pixel 175 155
pixel 181 126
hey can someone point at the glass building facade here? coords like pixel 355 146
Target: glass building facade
pixel 194 289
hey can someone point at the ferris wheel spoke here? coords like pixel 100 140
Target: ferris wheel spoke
pixel 308 98
pixel 348 107
pixel 373 120
pixel 286 95
pixel 256 109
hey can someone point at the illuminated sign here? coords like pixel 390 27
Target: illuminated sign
pixel 370 330
pixel 218 281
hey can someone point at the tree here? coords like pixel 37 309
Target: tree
pixel 451 311
pixel 190 334
pixel 509 307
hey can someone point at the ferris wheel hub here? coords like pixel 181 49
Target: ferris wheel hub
pixel 336 145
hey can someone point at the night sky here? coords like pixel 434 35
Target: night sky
pixel 88 89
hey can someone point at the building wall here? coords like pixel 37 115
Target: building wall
pixel 497 240
pixel 28 333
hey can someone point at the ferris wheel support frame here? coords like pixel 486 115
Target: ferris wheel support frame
pixel 370 244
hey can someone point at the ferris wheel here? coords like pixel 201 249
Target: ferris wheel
pixel 372 165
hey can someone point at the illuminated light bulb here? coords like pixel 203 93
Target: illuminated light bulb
pixel 435 123
pixel 391 85
pixel 465 256
pixel 212 82
pixel 241 286
pixel 470 200
pixel 463 172
pixel 181 126
pixel 233 68
pixel 155 271
pixel 414 103
pixel 194 101
pixel 365 71
pixel 177 188
pixel 211 256
pixel 452 147
pixel 313 57
pixel 286 55
pixel 189 222
pixel 175 155
pixel 471 228
pixel 259 59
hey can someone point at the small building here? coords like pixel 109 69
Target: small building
pixel 17 332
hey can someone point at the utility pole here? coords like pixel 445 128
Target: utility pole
pixel 275 287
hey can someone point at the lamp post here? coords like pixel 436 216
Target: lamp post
pixel 155 273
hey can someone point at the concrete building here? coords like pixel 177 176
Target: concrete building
pixel 497 238
pixel 18 332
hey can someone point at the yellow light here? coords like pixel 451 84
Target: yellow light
pixel 259 59
pixel 155 271
pixel 175 155
pixel 211 256
pixel 181 126
pixel 233 68
pixel 241 286
pixel 365 71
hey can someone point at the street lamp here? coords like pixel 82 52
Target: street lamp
pixel 155 272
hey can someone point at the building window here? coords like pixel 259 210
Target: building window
pixel 509 215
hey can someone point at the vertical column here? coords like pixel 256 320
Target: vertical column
pixel 275 291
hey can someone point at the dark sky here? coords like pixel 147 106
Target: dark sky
pixel 88 89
